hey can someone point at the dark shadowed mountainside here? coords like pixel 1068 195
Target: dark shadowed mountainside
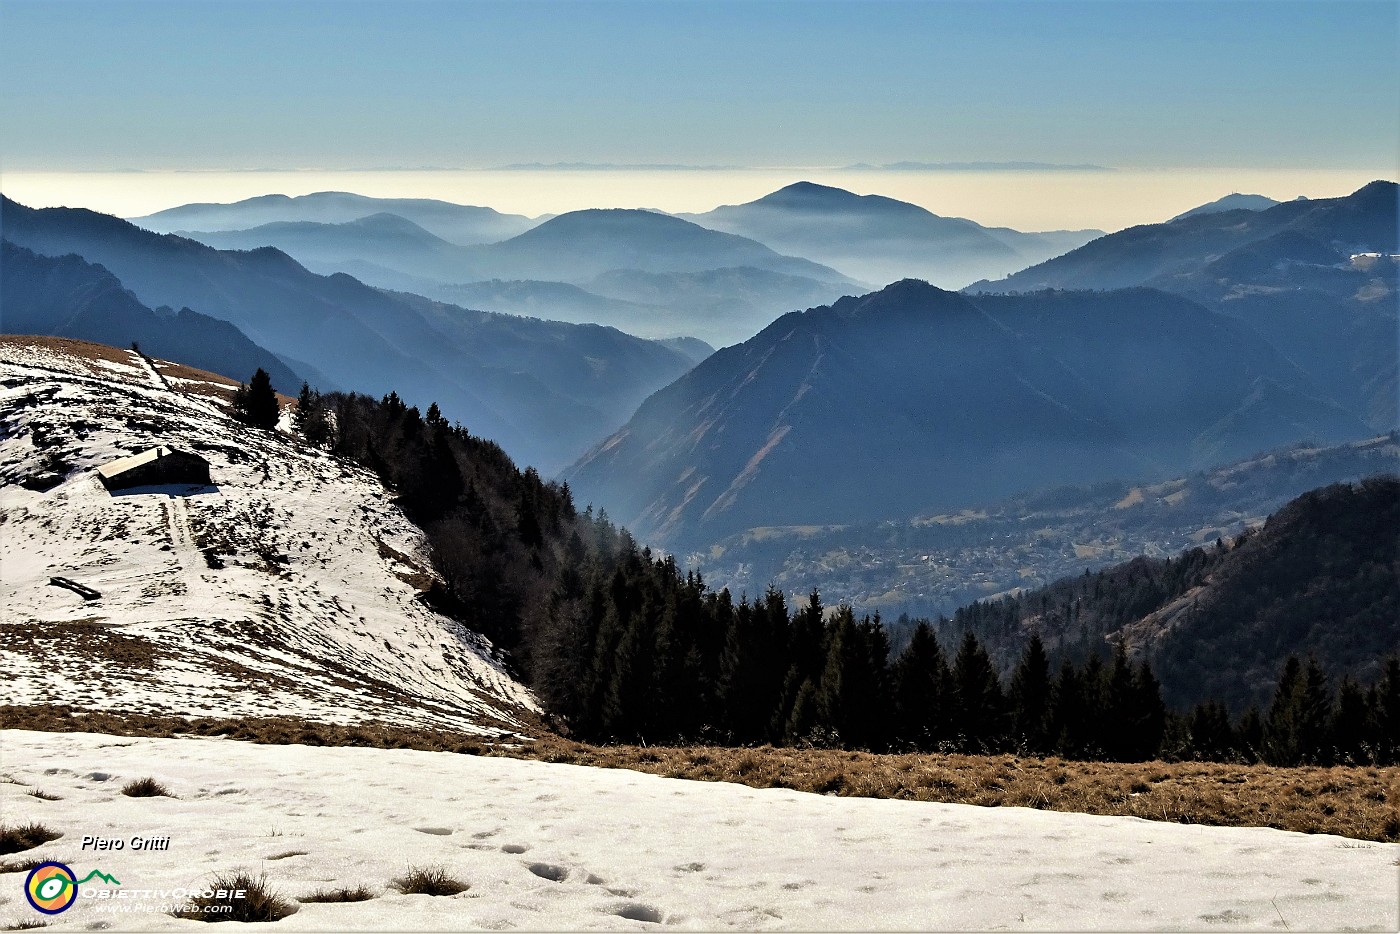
pixel 1316 279
pixel 915 399
pixel 68 297
pixel 544 390
pixel 1321 577
pixel 1333 314
pixel 881 239
pixel 455 223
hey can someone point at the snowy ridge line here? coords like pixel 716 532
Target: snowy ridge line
pixel 555 847
pixel 268 594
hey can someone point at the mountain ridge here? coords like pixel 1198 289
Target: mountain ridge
pixel 939 399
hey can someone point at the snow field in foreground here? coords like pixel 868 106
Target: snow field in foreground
pixel 560 847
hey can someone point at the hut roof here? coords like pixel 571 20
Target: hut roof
pixel 122 465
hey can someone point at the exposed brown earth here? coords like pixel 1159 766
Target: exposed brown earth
pixel 1361 802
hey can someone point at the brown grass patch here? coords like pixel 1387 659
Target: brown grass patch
pixel 345 893
pixel 86 640
pixel 25 837
pixel 429 880
pixel 1350 801
pixel 22 865
pixel 83 350
pixel 146 788
pixel 259 902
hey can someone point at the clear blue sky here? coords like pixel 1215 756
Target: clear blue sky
pixel 189 84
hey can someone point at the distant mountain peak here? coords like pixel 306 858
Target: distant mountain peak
pixel 1234 201
pixel 810 195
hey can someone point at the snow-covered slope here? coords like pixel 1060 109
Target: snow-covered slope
pixel 289 587
pixel 548 847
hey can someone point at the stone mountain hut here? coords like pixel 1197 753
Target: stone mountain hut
pixel 155 467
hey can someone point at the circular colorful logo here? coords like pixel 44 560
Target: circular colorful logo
pixel 51 888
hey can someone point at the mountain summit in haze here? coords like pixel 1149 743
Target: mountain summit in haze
pixel 455 223
pixel 881 239
pixel 582 244
pixel 1231 202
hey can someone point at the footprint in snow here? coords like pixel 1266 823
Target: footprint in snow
pixel 634 911
pixel 1228 916
pixel 549 871
pixel 435 831
pixel 515 848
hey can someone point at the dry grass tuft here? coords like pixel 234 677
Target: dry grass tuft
pixel 259 902
pixel 27 924
pixel 22 865
pixel 44 795
pixel 146 788
pixel 26 837
pixel 428 880
pixel 359 893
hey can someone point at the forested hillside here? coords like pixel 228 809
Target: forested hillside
pixel 619 644
pixel 1321 577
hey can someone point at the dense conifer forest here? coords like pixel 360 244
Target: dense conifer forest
pixel 621 645
pixel 1320 577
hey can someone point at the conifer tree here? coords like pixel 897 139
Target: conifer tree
pixel 1387 713
pixel 309 417
pixel 921 688
pixel 803 720
pixel 1295 731
pixel 258 406
pixel 1148 721
pixel 1069 712
pixel 1249 735
pixel 1211 736
pixel 980 704
pixel 1352 726
pixel 1030 699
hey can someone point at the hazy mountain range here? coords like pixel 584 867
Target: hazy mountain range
pixel 544 390
pixel 914 398
pixel 720 276
pixel 455 223
pixel 642 271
